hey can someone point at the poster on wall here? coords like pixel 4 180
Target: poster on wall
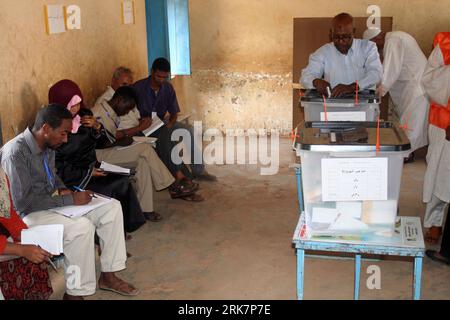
pixel 128 12
pixel 55 19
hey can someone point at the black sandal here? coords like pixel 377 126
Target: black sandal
pixel 179 190
pixel 436 256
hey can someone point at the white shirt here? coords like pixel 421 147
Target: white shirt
pixel 404 63
pixel 361 63
pixel 127 121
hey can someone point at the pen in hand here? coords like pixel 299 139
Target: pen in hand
pixel 81 190
pixel 49 260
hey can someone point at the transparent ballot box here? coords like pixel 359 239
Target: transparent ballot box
pixel 348 186
pixel 346 108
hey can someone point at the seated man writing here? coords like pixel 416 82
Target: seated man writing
pixel 29 162
pixel 157 95
pixel 149 167
pixel 345 65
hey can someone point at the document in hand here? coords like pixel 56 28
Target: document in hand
pixel 79 211
pixel 156 124
pixel 107 167
pixel 150 140
pixel 48 237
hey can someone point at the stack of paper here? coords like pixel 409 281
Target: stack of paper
pixel 149 140
pixel 156 124
pixel 48 237
pixel 107 167
pixel 79 211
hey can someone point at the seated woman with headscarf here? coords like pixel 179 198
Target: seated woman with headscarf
pixel 23 268
pixel 76 161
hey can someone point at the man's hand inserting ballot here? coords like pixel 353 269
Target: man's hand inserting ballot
pixel 321 86
pixel 343 89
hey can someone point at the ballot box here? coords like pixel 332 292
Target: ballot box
pixel 362 107
pixel 351 174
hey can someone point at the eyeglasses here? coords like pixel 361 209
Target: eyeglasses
pixel 344 37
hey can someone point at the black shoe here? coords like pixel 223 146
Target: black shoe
pixel 152 216
pixel 435 256
pixel 409 159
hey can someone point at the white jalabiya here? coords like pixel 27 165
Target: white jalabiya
pixel 436 190
pixel 404 64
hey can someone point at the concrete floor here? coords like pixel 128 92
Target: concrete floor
pixel 237 245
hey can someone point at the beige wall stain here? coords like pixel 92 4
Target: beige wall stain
pixel 232 41
pixel 32 61
pixel 241 53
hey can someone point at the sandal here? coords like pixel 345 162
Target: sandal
pixel 433 235
pixel 436 256
pixel 120 288
pixel 194 186
pixel 194 198
pixel 179 190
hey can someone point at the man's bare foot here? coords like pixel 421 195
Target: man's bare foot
pixel 69 297
pixel 433 234
pixel 110 282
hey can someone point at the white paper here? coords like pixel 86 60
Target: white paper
pixel 350 208
pixel 55 19
pixel 156 124
pixel 412 232
pixel 107 167
pixel 79 211
pixel 324 215
pixel 128 11
pixel 344 116
pixel 347 223
pixel 354 179
pixel 48 237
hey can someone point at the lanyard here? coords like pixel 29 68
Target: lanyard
pixel 50 177
pixel 109 116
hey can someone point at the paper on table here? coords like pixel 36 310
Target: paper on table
pixel 79 211
pixel 156 124
pixel 48 237
pixel 107 167
pixel 354 179
pixel 344 116
pixel 344 222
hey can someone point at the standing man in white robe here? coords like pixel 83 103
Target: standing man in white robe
pixel 404 64
pixel 436 190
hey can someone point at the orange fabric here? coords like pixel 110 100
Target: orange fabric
pixel 440 115
pixel 13 224
pixel 443 39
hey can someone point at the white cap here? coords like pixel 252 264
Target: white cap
pixel 371 33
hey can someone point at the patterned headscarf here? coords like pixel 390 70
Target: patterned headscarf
pixel 5 200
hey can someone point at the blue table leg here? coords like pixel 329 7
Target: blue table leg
pixel 300 272
pixel 357 275
pixel 298 173
pixel 417 277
